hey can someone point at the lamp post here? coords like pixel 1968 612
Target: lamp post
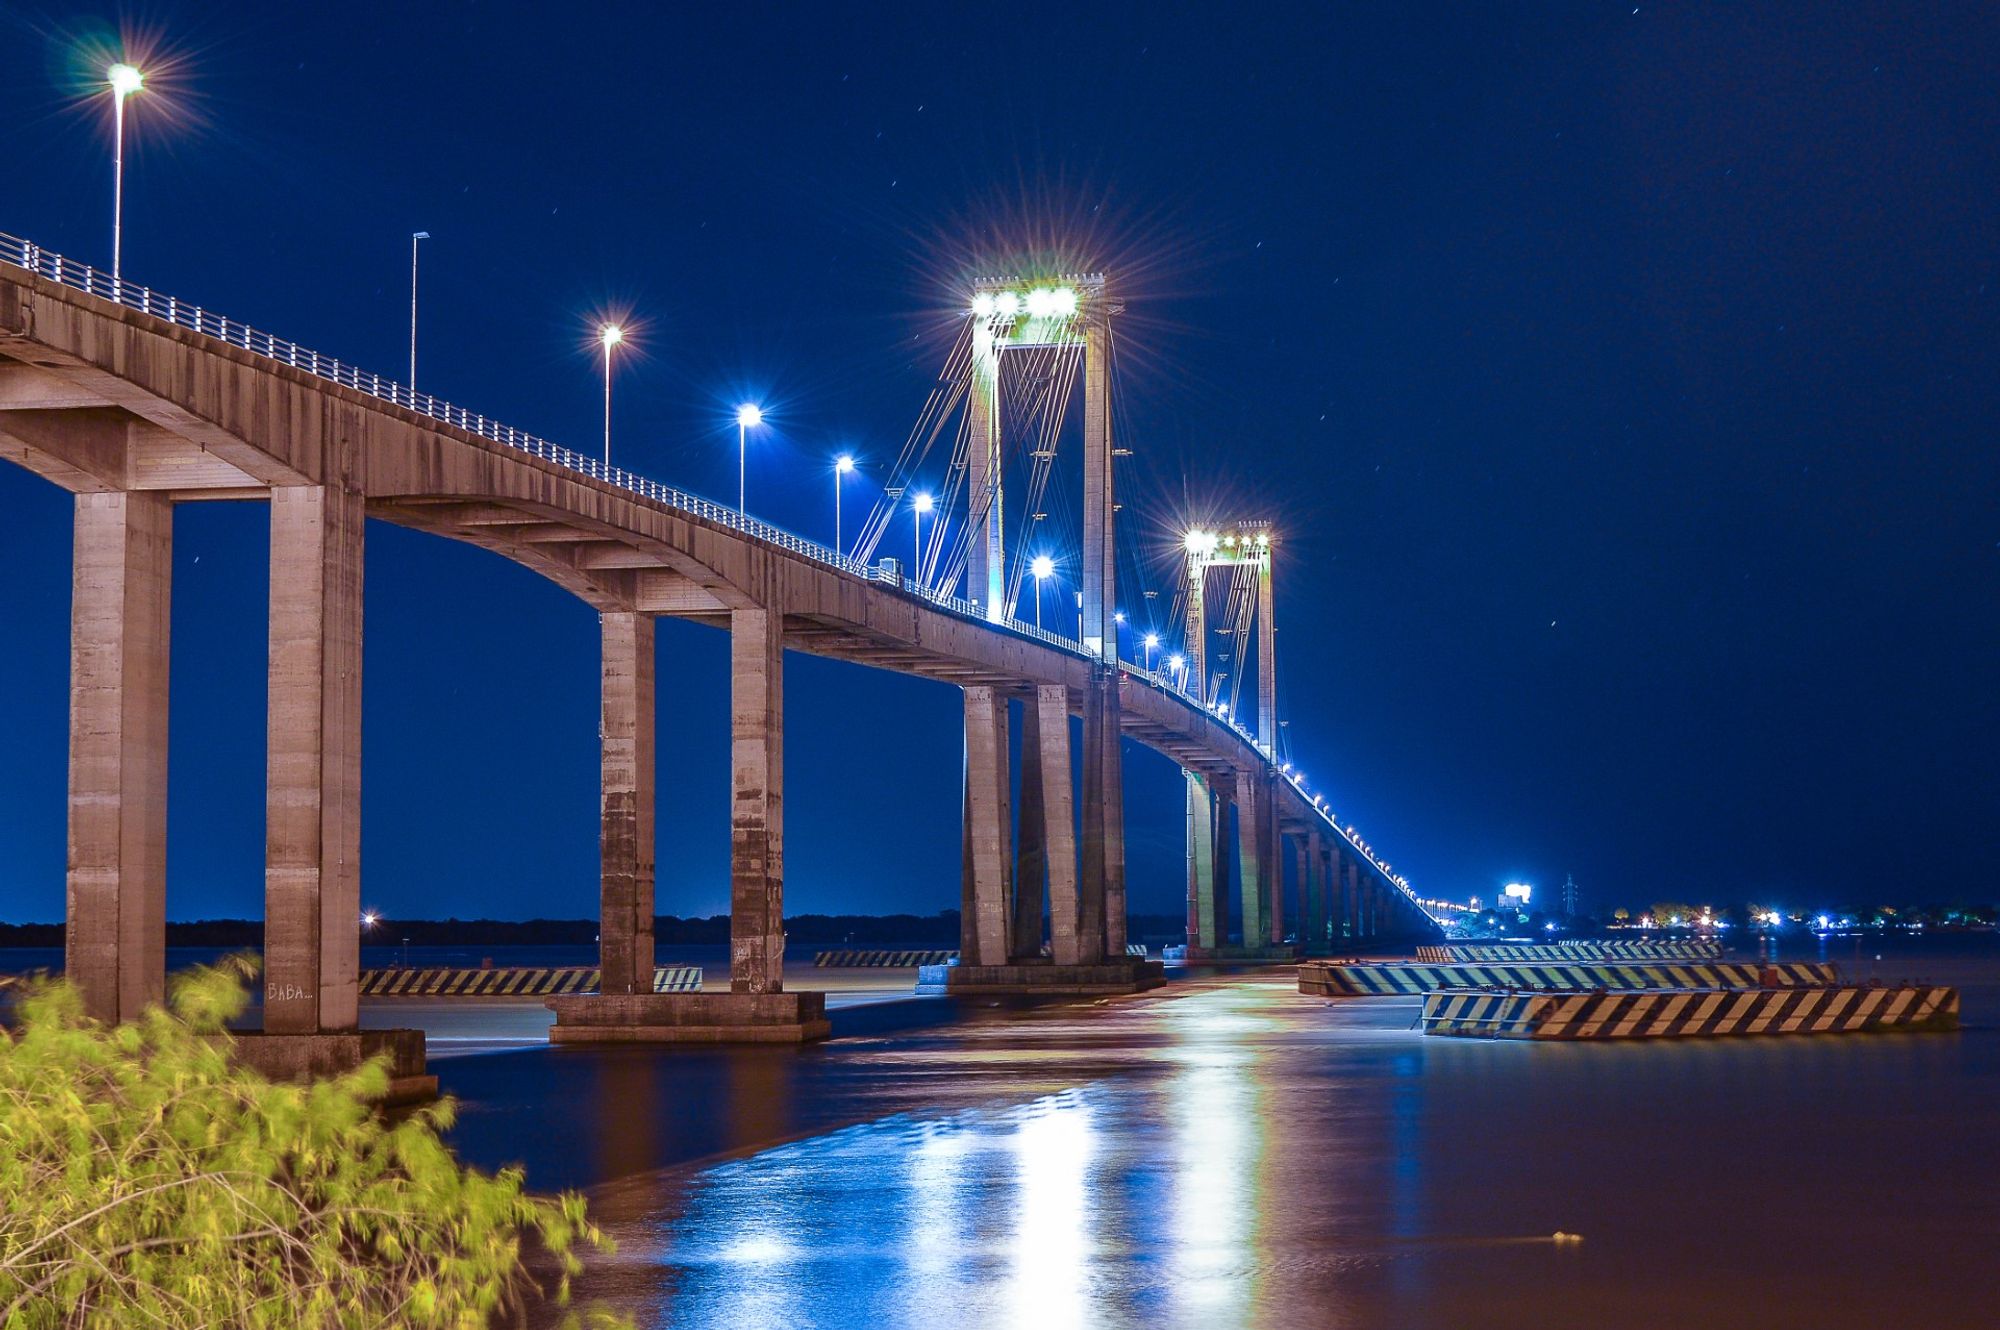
pixel 1152 645
pixel 1042 566
pixel 124 80
pixel 415 236
pixel 842 465
pixel 608 336
pixel 746 415
pixel 920 505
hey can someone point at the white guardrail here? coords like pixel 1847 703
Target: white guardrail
pixel 82 277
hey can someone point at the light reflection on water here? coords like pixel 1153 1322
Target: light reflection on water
pixel 1241 1156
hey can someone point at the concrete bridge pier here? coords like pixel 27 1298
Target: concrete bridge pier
pixel 1205 930
pixel 1001 902
pixel 757 1008
pixel 312 803
pixel 114 949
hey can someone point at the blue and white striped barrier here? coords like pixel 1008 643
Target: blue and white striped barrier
pixel 1376 978
pixel 1576 949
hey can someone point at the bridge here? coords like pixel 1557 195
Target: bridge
pixel 135 401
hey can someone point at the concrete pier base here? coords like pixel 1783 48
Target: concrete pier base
pixel 1028 979
pixel 690 1018
pixel 302 1057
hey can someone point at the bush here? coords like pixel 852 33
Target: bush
pixel 147 1180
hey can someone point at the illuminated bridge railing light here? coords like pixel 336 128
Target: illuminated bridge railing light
pixel 54 267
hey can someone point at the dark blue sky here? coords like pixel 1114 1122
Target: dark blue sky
pixel 1623 381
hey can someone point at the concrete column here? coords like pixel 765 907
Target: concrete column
pixel 1273 851
pixel 1252 859
pixel 986 557
pixel 1031 859
pixel 1267 659
pixel 1307 873
pixel 985 934
pixel 120 635
pixel 312 802
pixel 1100 558
pixel 1114 824
pixel 625 836
pixel 1092 883
pixel 1219 803
pixel 756 816
pixel 1200 863
pixel 1058 822
pixel 1351 895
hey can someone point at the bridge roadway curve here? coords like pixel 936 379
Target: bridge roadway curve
pixel 147 393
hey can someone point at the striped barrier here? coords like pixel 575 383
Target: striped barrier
pixel 1838 1009
pixel 883 959
pixel 513 981
pixel 1376 978
pixel 1692 949
pixel 893 959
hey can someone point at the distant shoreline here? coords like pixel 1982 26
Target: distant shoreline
pixel 806 930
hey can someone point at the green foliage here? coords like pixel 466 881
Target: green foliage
pixel 147 1180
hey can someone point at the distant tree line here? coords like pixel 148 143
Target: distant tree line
pixel 803 930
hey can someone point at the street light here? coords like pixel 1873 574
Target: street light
pixel 842 465
pixel 1152 643
pixel 1042 566
pixel 124 80
pixel 608 336
pixel 415 236
pixel 746 415
pixel 920 505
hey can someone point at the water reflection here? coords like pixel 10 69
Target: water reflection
pixel 1238 1157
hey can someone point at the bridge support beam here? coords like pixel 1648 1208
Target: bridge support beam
pixel 1058 822
pixel 1031 863
pixel 312 805
pixel 626 806
pixel 312 823
pixel 756 817
pixel 1351 896
pixel 1253 858
pixel 1077 965
pixel 757 1009
pixel 115 946
pixel 985 935
pixel 1206 930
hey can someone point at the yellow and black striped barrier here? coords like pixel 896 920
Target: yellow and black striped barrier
pixel 1378 978
pixel 863 959
pixel 883 959
pixel 1836 1009
pixel 1688 949
pixel 513 981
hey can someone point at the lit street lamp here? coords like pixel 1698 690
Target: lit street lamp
pixel 746 415
pixel 1152 644
pixel 124 80
pixel 922 504
pixel 1042 566
pixel 415 236
pixel 842 465
pixel 608 336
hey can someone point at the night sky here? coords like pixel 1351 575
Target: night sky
pixel 1622 381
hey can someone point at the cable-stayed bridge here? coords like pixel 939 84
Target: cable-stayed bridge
pixel 137 401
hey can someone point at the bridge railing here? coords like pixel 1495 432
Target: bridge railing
pixel 68 272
